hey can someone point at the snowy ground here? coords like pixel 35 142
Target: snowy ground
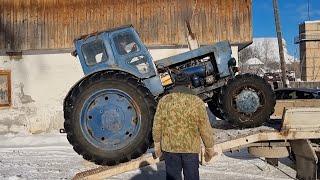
pixel 51 157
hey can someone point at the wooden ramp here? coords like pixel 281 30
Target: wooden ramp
pixel 103 172
pixel 297 123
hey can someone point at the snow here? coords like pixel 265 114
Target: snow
pixel 49 156
pixel 23 141
pixel 253 61
pixel 311 22
pixel 270 46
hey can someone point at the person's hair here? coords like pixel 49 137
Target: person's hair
pixel 181 89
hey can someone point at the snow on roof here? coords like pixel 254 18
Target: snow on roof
pixel 311 22
pixel 254 61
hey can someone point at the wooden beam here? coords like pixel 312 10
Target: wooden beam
pixel 108 171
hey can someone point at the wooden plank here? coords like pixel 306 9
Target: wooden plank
pixel 50 14
pixel 2 31
pixel 240 142
pixel 107 171
pixel 7 28
pixel 306 119
pixel 281 104
pixel 39 24
pixel 44 36
pixel 14 26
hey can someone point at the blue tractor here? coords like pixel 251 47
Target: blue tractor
pixel 109 112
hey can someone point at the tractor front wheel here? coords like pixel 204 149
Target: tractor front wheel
pixel 247 101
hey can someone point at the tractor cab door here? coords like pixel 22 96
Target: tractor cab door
pixel 131 54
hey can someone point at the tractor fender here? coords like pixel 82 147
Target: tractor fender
pixel 88 76
pixel 153 83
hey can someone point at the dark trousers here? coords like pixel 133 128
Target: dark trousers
pixel 175 162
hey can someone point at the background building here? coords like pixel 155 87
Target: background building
pixel 309 42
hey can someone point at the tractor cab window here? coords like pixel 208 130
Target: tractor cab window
pixel 125 43
pixel 94 52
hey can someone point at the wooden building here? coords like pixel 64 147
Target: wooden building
pixel 309 41
pixel 35 26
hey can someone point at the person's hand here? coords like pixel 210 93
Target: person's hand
pixel 157 150
pixel 209 153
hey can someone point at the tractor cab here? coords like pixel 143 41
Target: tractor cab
pixel 119 49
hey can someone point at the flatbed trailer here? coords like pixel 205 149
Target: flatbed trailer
pixel 291 135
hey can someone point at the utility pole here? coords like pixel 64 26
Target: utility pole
pixel 280 43
pixel 308 10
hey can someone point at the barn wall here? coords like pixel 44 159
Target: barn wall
pixel 53 24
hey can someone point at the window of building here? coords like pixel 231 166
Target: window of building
pixel 5 88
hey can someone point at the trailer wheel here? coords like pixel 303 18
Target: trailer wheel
pixel 108 118
pixel 247 101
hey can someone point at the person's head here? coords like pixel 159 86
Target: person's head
pixel 182 84
pixel 182 89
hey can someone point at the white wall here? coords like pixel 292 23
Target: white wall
pixel 45 80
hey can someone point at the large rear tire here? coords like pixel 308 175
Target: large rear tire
pixel 247 101
pixel 108 118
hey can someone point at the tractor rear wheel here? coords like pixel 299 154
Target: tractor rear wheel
pixel 247 101
pixel 108 118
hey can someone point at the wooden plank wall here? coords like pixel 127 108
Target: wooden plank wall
pixel 53 24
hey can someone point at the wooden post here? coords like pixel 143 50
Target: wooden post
pixel 280 43
pixel 192 40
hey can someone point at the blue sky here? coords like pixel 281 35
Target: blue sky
pixel 292 13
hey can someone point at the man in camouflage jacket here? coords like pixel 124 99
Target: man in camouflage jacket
pixel 179 123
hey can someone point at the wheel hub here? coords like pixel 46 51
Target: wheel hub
pixel 247 101
pixel 110 119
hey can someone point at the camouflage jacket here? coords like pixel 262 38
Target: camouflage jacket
pixel 179 123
